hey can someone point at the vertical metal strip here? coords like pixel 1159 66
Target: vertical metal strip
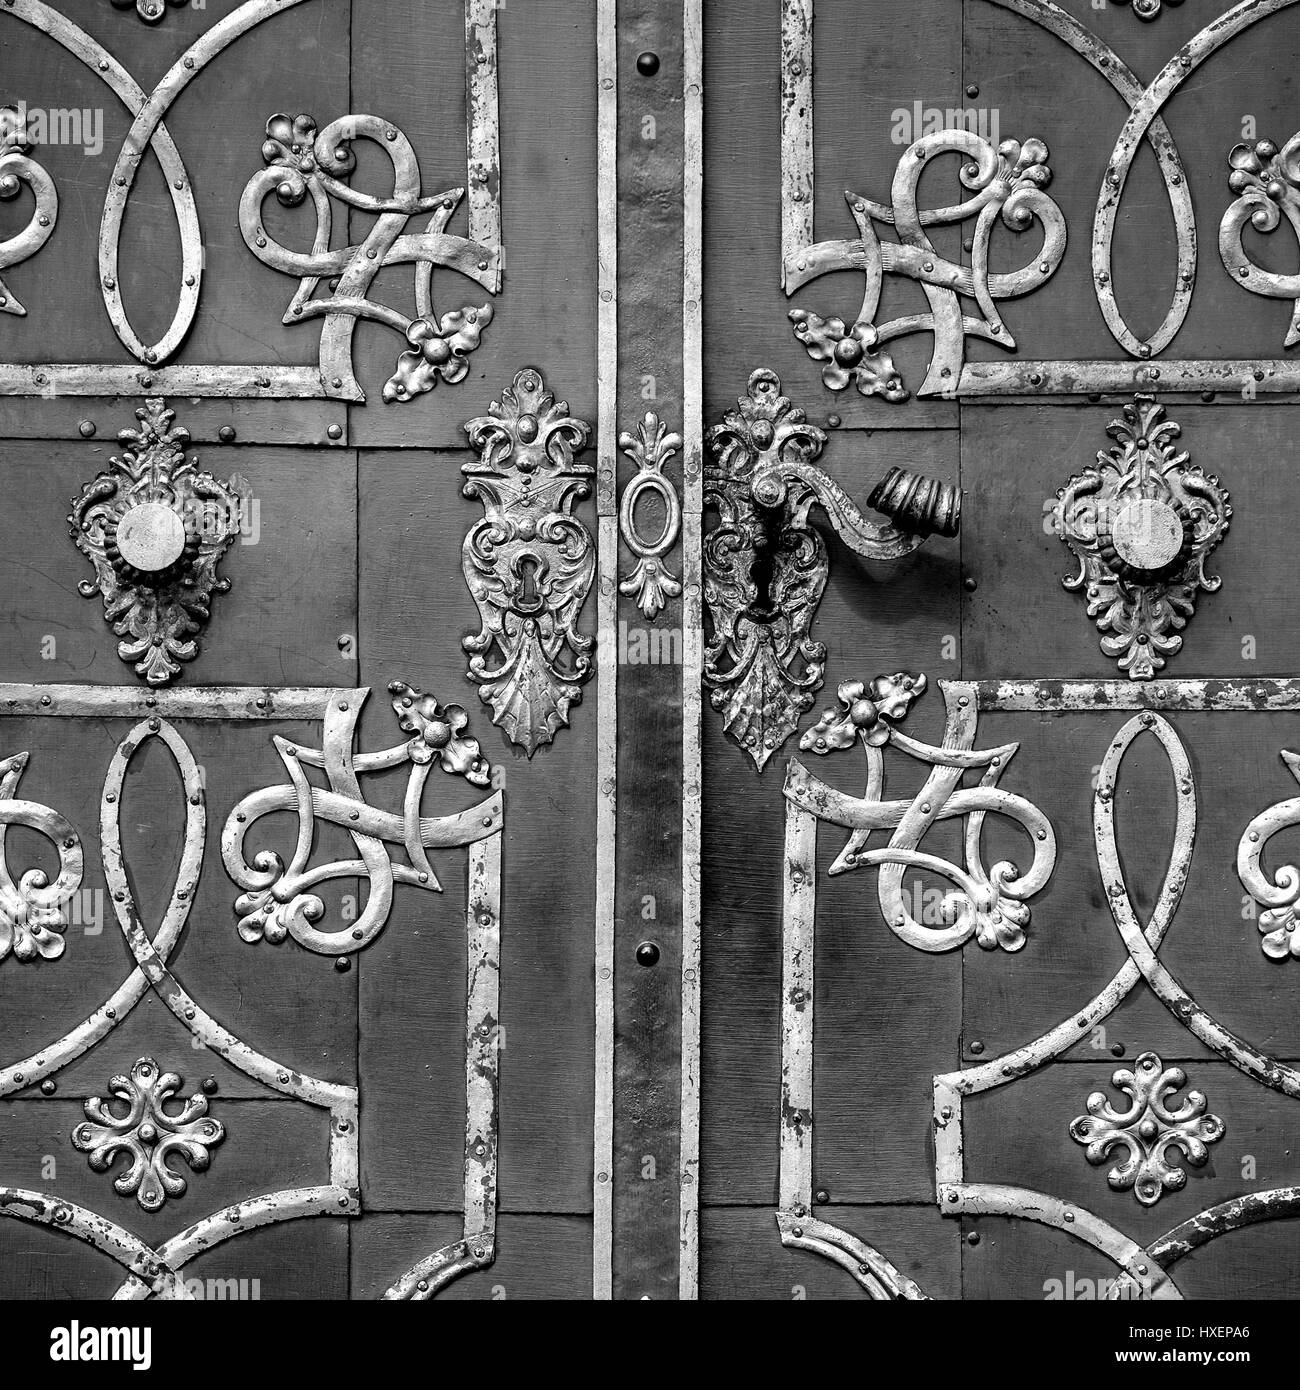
pixel 796 131
pixel 797 1009
pixel 482 1039
pixel 482 127
pixel 692 632
pixel 607 639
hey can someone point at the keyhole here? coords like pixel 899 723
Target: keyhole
pixel 763 569
pixel 529 597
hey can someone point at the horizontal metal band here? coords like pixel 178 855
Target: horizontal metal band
pixel 99 379
pixel 1032 380
pixel 197 702
pixel 1263 694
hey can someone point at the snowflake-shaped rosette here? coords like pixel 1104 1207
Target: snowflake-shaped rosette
pixel 148 1134
pixel 292 144
pixel 1152 1125
pixel 1280 932
pixel 441 351
pixel 852 355
pixel 439 732
pixel 29 928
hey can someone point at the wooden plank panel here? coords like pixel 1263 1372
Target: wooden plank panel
pixel 538 1257
pixel 742 1256
pixel 1037 1111
pixel 861 74
pixel 268 1146
pixel 874 619
pixel 409 65
pixel 414 611
pixel 1038 87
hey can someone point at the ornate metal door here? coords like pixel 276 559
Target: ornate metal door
pixel 547 644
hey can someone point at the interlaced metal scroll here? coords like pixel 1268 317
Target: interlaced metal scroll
pixel 144 1119
pixel 1010 182
pixel 302 164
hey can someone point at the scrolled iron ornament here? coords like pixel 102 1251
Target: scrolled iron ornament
pixel 1144 1133
pixel 304 164
pixel 650 583
pixel 277 901
pixel 1278 895
pixel 155 528
pixel 18 168
pixel 34 911
pixel 1007 183
pixel 988 904
pixel 1141 525
pixel 148 1134
pixel 529 562
pixel 1267 180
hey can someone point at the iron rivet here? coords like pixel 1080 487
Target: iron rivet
pixel 977 1048
pixel 86 428
pixel 226 434
pixel 342 964
pixel 335 431
pixel 647 954
pixel 647 64
pixel 48 1087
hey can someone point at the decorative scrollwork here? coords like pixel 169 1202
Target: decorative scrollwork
pixel 1279 923
pixel 1008 182
pixel 1152 1125
pixel 33 911
pixel 989 904
pixel 147 1134
pixel 277 902
pixel 1142 524
pixel 1268 182
pixel 16 169
pixel 529 561
pixel 155 529
pixel 761 663
pixel 304 163
pixel 651 584
pixel 765 567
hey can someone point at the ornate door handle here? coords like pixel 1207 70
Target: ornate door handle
pixel 765 567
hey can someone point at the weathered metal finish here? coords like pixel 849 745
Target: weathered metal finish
pixel 529 562
pixel 1143 1268
pixel 155 529
pixel 1006 183
pixel 157 1270
pixel 692 635
pixel 1144 1133
pixel 477 1247
pixel 1267 181
pixel 766 567
pixel 437 342
pixel 988 904
pixel 855 353
pixel 33 911
pixel 603 927
pixel 276 903
pixel 1142 525
pixel 1278 894
pixel 148 1134
pixel 650 583
pixel 18 168
pixel 303 163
